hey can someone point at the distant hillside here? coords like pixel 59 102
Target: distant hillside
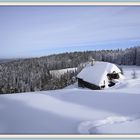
pixel 6 60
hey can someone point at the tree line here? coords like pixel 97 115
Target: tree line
pixel 33 74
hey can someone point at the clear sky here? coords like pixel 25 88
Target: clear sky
pixel 42 30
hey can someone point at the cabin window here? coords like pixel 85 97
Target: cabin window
pixel 113 76
pixel 111 84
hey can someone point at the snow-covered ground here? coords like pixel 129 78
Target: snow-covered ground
pixel 75 110
pixel 58 73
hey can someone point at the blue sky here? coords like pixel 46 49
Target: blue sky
pixel 41 30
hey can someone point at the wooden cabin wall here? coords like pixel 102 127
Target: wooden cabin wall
pixel 82 83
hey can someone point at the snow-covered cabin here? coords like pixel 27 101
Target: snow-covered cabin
pixel 98 76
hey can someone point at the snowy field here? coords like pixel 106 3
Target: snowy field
pixel 75 110
pixel 58 73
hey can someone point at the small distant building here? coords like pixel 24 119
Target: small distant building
pixel 99 75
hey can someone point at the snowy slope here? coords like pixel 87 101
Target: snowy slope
pixel 58 73
pixel 74 111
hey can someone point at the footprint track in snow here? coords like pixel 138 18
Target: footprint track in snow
pixel 85 127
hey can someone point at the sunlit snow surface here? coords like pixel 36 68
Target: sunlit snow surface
pixel 75 110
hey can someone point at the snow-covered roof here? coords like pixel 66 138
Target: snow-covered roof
pixel 97 73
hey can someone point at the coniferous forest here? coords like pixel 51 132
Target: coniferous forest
pixel 33 74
